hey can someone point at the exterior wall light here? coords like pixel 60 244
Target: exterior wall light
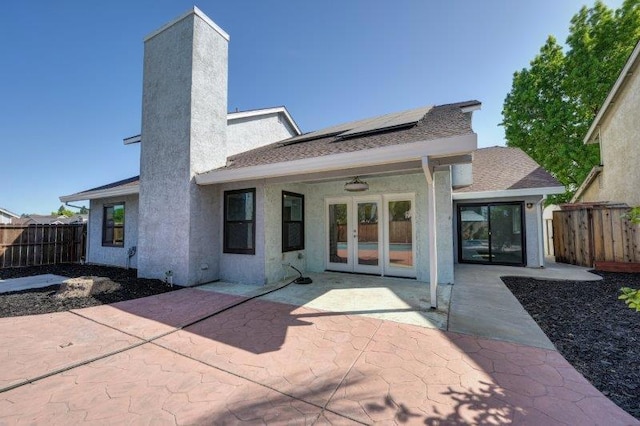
pixel 356 185
pixel 529 206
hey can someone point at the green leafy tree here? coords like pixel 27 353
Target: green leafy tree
pixel 63 211
pixel 552 103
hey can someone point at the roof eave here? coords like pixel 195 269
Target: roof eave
pixel 613 93
pixel 258 112
pixel 101 193
pixel 593 174
pixel 503 193
pixel 375 156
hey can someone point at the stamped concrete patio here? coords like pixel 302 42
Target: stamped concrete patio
pixel 330 355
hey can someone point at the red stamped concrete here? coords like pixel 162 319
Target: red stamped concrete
pixel 426 376
pixel 271 363
pixel 149 385
pixel 31 346
pixel 298 351
pixel 152 316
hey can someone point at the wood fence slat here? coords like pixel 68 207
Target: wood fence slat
pixel 41 244
pixel 589 235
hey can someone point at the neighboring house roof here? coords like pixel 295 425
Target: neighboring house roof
pixel 38 219
pixel 420 124
pixel 503 171
pixel 8 213
pixel 237 115
pixel 629 68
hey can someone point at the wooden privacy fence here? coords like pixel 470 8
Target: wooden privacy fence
pixel 399 232
pixel 41 244
pixel 589 235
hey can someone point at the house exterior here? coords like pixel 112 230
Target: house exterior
pixel 241 196
pixel 616 129
pixel 6 216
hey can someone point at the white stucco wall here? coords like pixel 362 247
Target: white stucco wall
pixel 184 123
pixel 116 256
pixel 244 134
pixel 533 223
pixel 315 216
pixel 620 149
pixel 243 268
pixel 444 226
pixel 274 257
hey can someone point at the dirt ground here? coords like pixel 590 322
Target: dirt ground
pixel 112 285
pixel 597 333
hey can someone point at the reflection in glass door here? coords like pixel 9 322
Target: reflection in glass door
pixel 367 235
pixel 371 235
pixel 491 233
pixel 339 243
pixel 399 247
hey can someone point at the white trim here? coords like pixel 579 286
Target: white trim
pixel 622 77
pixel 526 192
pixel 258 112
pixel 384 155
pixel 471 108
pixel 8 213
pixel 132 139
pixel 344 267
pixel 593 174
pixel 194 11
pixel 102 193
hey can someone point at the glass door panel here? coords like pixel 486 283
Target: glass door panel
pixel 368 234
pixel 506 233
pixel 491 233
pixel 474 233
pixel 400 234
pixel 339 244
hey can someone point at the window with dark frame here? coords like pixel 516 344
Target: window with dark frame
pixel 292 221
pixel 113 225
pixel 240 221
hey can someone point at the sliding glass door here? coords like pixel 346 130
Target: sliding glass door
pixel 491 233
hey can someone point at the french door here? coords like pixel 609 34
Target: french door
pixel 491 233
pixel 371 235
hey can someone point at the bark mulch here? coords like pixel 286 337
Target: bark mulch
pixel 42 300
pixel 597 333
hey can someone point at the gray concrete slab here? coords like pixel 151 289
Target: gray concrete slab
pixel 25 283
pixel 395 299
pixel 482 305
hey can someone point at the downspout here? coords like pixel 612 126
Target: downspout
pixel 431 225
pixel 540 220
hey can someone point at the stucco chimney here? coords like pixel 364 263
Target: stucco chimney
pixel 184 120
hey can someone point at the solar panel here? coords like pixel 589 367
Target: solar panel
pixel 368 125
pixel 399 119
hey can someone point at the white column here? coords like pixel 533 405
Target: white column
pixel 431 226
pixel 541 224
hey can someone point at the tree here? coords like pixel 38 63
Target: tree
pixel 84 210
pixel 552 103
pixel 63 211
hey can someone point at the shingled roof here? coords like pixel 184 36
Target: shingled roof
pixel 500 168
pixel 421 124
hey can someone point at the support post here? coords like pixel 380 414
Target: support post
pixel 431 225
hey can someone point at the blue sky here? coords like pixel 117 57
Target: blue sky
pixel 71 85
